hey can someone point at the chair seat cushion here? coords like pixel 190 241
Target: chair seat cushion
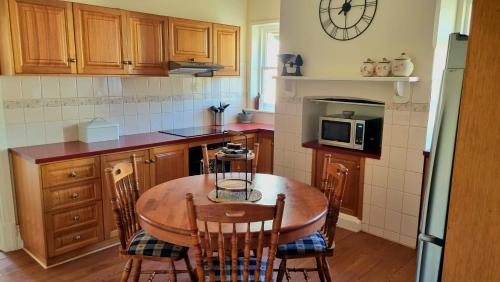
pixel 144 244
pixel 251 269
pixel 312 244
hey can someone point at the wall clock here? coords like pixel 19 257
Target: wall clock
pixel 346 19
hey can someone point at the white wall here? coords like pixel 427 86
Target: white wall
pixel 39 110
pixel 391 184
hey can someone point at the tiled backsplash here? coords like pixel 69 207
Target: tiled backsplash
pixel 41 110
pixel 392 185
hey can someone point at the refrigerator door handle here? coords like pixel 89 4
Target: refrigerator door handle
pixel 431 239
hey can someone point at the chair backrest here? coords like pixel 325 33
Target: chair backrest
pixel 209 156
pixel 333 185
pixel 123 188
pixel 238 222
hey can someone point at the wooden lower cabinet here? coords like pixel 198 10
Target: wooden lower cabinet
pixel 168 163
pixel 352 203
pixel 266 142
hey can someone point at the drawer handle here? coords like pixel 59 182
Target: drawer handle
pixel 77 237
pixel 76 218
pixel 152 161
pixel 147 161
pixel 72 174
pixel 75 196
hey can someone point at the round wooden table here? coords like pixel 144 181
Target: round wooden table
pixel 162 209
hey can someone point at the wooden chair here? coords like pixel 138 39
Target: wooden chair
pixel 135 244
pixel 231 217
pixel 320 244
pixel 209 156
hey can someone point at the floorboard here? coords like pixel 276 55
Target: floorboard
pixel 358 257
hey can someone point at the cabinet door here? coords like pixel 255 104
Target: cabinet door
pixel 168 163
pixel 108 161
pixel 147 39
pixel 352 203
pixel 42 37
pixel 266 152
pixel 190 41
pixel 227 49
pixel 100 40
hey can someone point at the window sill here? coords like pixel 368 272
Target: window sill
pixel 258 111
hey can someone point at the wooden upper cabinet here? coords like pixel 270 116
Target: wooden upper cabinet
pixel 190 40
pixel 100 40
pixel 42 36
pixel 227 49
pixel 148 43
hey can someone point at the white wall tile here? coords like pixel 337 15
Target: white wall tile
pixel 84 86
pixel 401 117
pixel 408 241
pixel 70 112
pixel 397 158
pixel 101 111
pixel 379 196
pixel 100 86
pixel 130 108
pixel 14 115
pixel 116 109
pixel 414 160
pixel 52 113
pixel 167 121
pixel 391 236
pixel 416 138
pixel 409 225
pixel 399 136
pixel 368 174
pixel 11 88
pixel 33 114
pixel 396 179
pixel 386 134
pixel 70 130
pixel 394 200
pixel 384 157
pixel 392 221
pixel 388 116
pixel 419 119
pixel 380 174
pixel 367 193
pixel 154 86
pixel 50 87
pixel 377 217
pixel 155 107
pixel 143 108
pixel 35 133
pixel 411 204
pixel 17 135
pixel 115 87
pixel 31 87
pixel 156 123
pixel 413 183
pixel 365 218
pixel 86 111
pixel 68 87
pixel 299 161
pixel 376 231
pixel 54 132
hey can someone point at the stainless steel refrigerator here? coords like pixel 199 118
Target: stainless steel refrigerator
pixel 432 228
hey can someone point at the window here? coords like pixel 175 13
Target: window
pixel 264 65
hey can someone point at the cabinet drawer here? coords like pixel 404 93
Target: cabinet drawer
pixel 89 215
pixel 69 171
pixel 73 240
pixel 73 194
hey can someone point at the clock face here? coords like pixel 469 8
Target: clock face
pixel 346 19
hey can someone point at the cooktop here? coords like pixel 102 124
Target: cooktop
pixel 192 131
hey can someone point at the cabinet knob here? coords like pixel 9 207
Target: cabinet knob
pixel 192 59
pixel 72 60
pixel 147 161
pixel 77 237
pixel 72 174
pixel 127 62
pixel 152 161
pixel 75 196
pixel 358 167
pixel 76 218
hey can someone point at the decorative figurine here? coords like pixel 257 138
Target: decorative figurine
pixel 298 64
pixel 286 60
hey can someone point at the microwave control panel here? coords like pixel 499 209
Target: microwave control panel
pixel 359 135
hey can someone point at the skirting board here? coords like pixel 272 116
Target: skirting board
pixel 349 222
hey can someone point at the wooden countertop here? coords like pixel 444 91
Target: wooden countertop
pixel 69 150
pixel 365 154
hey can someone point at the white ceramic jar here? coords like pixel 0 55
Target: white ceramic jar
pixel 368 68
pixel 402 66
pixel 383 68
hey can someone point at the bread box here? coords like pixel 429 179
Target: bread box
pixel 98 130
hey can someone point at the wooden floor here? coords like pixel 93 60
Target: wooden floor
pixel 358 257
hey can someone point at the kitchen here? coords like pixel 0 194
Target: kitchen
pixel 138 92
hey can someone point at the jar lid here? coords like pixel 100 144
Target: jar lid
pixel 384 61
pixel 403 57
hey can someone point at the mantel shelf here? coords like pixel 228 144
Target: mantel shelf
pixel 352 78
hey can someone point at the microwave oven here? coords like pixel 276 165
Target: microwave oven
pixel 358 133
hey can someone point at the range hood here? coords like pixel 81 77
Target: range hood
pixel 193 68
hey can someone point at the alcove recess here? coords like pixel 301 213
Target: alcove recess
pixel 316 107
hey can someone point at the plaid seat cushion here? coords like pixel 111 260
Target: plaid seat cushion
pixel 314 243
pixel 251 269
pixel 144 244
